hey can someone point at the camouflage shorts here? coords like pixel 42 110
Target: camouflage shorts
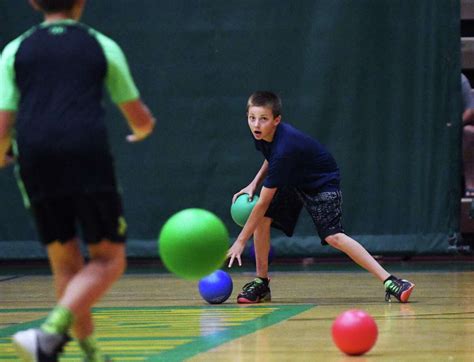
pixel 325 209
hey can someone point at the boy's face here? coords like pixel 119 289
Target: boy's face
pixel 262 123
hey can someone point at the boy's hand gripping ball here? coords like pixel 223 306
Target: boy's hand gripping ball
pixel 240 210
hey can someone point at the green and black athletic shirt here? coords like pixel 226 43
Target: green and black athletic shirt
pixel 53 77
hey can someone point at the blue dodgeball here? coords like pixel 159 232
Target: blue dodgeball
pixel 216 288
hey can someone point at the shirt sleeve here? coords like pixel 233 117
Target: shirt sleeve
pixel 279 172
pixel 119 81
pixel 9 93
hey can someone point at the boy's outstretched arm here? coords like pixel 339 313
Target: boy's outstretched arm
pixel 256 216
pixel 7 119
pixel 256 182
pixel 139 118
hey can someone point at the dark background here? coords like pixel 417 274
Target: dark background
pixel 376 81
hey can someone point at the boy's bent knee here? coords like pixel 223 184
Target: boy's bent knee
pixel 118 263
pixel 335 240
pixel 112 254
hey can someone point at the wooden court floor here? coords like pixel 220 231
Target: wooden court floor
pixel 156 317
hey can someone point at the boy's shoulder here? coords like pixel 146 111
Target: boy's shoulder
pixel 11 47
pixel 287 139
pixel 288 130
pixel 98 35
pixel 109 45
pixel 291 139
pixel 94 32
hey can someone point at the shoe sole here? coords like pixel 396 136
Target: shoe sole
pixel 406 294
pixel 20 340
pixel 242 300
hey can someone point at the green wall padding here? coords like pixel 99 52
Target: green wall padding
pixel 376 81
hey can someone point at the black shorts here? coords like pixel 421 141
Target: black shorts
pixel 99 216
pixel 325 208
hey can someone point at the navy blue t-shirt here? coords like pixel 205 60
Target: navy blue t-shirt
pixel 295 159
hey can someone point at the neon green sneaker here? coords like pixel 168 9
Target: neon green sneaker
pixel 399 288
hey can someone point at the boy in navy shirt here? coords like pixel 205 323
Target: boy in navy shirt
pixel 52 79
pixel 297 171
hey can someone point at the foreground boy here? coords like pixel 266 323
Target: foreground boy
pixel 298 171
pixel 51 85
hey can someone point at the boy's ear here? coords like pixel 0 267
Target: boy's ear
pixel 277 120
pixel 34 5
pixel 79 8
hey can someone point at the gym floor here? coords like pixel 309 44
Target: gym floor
pixel 150 315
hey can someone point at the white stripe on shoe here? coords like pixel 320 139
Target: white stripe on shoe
pixel 26 345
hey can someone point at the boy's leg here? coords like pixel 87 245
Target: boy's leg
pixel 283 214
pixel 326 211
pixel 258 290
pixel 66 261
pixel 100 217
pixel 54 221
pixel 81 292
pixel 358 254
pixel 261 241
pixel 107 264
pixel 399 288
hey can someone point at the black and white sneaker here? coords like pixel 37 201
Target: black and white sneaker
pixel 255 292
pixel 34 345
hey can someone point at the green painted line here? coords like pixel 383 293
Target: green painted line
pixel 206 343
pixel 24 310
pixel 8 331
pixel 236 321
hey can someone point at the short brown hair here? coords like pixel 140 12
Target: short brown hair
pixel 265 99
pixel 51 6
